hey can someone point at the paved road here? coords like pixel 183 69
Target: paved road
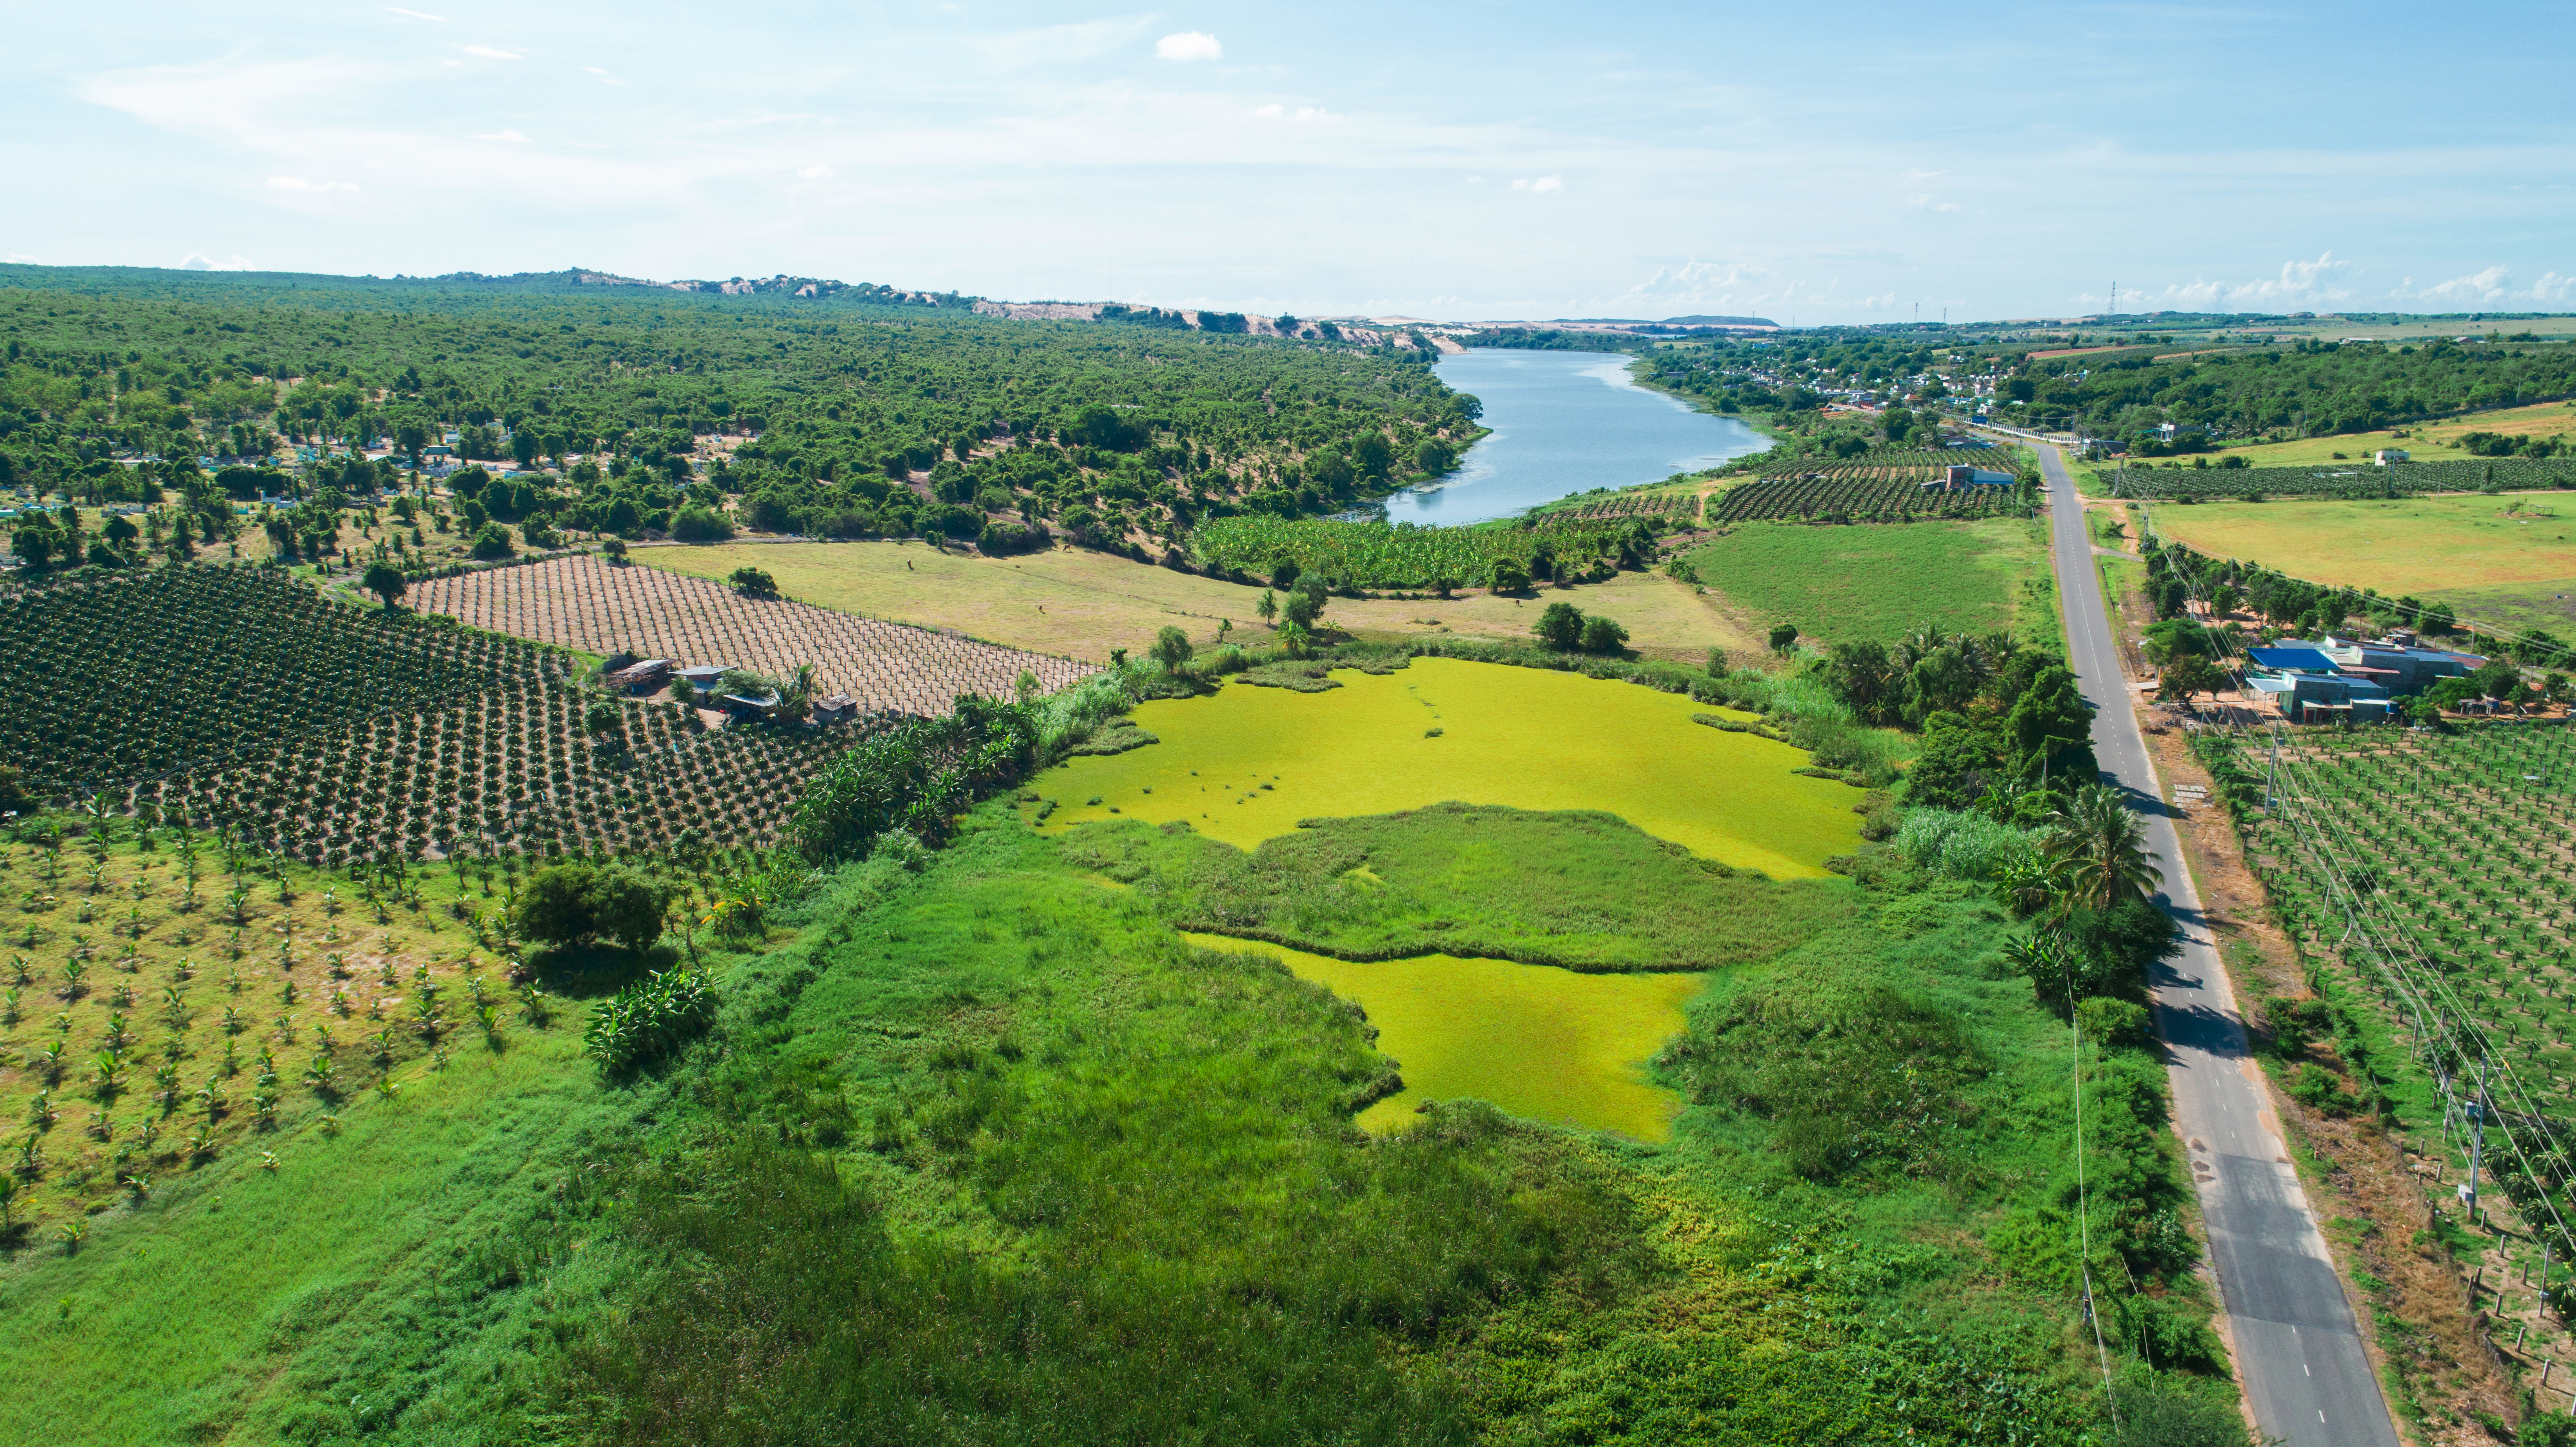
pixel 2302 1363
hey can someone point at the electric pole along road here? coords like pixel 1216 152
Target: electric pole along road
pixel 2298 1351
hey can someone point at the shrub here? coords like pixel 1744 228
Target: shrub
pixel 753 583
pixel 2113 1022
pixel 1961 845
pixel 1561 626
pixel 578 904
pixel 648 1018
pixel 492 541
pixel 700 524
pixel 1604 635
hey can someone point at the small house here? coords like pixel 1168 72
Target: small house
pixel 640 677
pixel 705 676
pixel 741 708
pixel 838 708
pixel 2387 455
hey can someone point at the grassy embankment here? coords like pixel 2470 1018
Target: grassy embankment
pixel 1076 1161
pixel 991 1152
pixel 1082 603
pixel 1878 580
pixel 2506 560
pixel 229 1269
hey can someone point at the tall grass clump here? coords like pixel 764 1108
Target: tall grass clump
pixel 1960 844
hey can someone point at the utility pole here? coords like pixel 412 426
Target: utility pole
pixel 2477 1142
pixel 2115 298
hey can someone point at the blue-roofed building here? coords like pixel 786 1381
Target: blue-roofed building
pixel 2308 685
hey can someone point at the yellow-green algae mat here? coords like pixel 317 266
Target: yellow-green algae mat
pixel 1538 1041
pixel 1525 738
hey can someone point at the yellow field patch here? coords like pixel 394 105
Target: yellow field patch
pixel 1082 604
pixel 1247 763
pixel 2404 545
pixel 1540 1042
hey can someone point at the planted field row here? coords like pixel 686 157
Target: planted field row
pixel 162 1006
pixel 2360 480
pixel 1860 494
pixel 107 683
pixel 515 769
pixel 2464 849
pixel 1677 511
pixel 599 607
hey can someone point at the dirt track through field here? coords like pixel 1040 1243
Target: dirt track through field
pixel 598 607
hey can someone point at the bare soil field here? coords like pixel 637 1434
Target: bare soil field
pixel 599 607
pixel 1084 603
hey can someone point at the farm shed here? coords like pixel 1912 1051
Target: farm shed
pixel 741 707
pixel 2402 668
pixel 705 676
pixel 838 708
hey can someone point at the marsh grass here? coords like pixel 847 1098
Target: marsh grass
pixel 1577 890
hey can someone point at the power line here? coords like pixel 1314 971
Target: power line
pixel 2441 1020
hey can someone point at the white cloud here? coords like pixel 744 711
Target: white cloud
pixel 415 15
pixel 2300 284
pixel 1543 183
pixel 1277 112
pixel 491 52
pixel 20 258
pixel 815 173
pixel 594 70
pixel 2553 287
pixel 505 135
pixel 195 262
pixel 298 183
pixel 1189 45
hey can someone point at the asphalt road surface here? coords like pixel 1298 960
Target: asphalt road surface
pixel 2297 1349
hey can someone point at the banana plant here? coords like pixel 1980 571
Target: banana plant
pixel 40 1110
pixel 9 1007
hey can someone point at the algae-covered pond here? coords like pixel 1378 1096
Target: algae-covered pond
pixel 1247 763
pixel 1540 1042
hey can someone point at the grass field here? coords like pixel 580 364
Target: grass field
pixel 1540 1042
pixel 2426 442
pixel 1248 763
pixel 1878 580
pixel 1082 604
pixel 2508 560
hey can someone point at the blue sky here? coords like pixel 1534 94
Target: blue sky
pixel 1821 163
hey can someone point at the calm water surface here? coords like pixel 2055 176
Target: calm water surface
pixel 1563 423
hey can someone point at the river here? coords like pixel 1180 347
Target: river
pixel 1563 423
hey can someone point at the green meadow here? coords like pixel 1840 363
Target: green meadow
pixel 1878 580
pixel 1561 1096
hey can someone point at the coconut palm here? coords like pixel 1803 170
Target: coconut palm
pixel 2102 846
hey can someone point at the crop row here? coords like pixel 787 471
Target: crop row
pixel 2463 848
pixel 515 769
pixel 2358 481
pixel 605 608
pixel 1856 495
pixel 112 682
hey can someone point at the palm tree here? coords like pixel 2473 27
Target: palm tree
pixel 2101 846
